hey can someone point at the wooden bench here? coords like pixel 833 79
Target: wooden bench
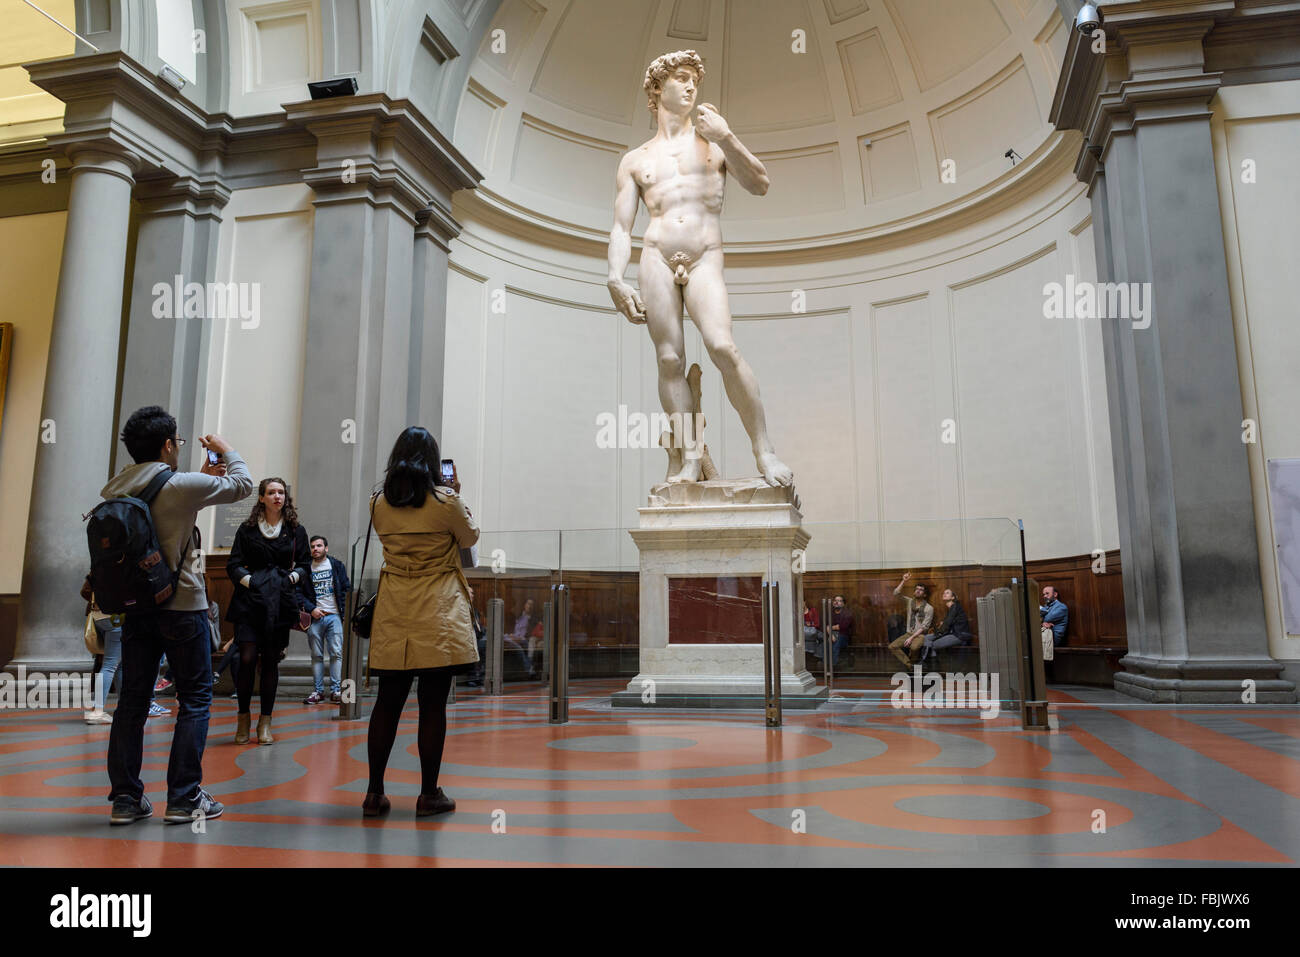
pixel 1085 664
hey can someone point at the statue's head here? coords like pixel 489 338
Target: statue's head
pixel 671 69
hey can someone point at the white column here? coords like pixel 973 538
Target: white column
pixel 77 409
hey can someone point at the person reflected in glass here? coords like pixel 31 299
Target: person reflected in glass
pixel 953 630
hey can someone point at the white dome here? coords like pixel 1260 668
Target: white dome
pixel 854 130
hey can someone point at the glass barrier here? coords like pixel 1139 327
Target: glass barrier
pixel 962 634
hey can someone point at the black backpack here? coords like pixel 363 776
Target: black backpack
pixel 127 569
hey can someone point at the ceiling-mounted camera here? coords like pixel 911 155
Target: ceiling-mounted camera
pixel 1088 20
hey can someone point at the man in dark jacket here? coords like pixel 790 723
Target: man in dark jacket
pixel 179 628
pixel 329 591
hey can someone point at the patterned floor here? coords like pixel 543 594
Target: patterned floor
pixel 856 783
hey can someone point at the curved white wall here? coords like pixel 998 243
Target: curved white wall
pixel 895 340
pixel 1256 134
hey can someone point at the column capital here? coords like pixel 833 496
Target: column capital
pixel 437 224
pixel 110 98
pixel 382 150
pixel 1151 68
pixel 203 195
pixel 102 156
pixel 367 180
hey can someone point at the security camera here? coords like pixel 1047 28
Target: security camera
pixel 1088 20
pixel 171 76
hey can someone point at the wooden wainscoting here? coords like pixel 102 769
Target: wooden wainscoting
pixel 604 627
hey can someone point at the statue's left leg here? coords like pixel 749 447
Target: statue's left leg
pixel 706 301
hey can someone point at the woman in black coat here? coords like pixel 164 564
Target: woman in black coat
pixel 955 629
pixel 270 567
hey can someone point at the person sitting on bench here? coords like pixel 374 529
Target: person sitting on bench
pixel 812 630
pixel 841 631
pixel 954 630
pixel 1055 615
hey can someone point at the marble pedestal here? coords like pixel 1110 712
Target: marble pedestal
pixel 737 528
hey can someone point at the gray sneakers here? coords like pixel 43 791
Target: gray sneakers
pixel 206 807
pixel 128 810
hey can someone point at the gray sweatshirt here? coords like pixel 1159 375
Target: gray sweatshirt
pixel 175 510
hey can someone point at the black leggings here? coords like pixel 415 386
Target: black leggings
pixel 432 697
pixel 249 651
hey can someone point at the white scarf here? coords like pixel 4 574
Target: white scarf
pixel 270 531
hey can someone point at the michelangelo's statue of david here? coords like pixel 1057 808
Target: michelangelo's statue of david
pixel 680 173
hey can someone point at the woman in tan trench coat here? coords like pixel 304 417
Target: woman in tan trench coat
pixel 422 627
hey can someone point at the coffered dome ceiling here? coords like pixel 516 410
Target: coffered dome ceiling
pixel 854 132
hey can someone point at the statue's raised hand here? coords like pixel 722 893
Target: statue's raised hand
pixel 627 301
pixel 710 124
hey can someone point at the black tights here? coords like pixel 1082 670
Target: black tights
pixel 248 655
pixel 432 697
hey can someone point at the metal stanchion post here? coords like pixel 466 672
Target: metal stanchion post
pixel 771 676
pixel 767 654
pixel 562 660
pixel 548 636
pixel 775 619
pixel 1033 711
pixel 351 710
pixel 493 677
pixel 557 641
pixel 828 656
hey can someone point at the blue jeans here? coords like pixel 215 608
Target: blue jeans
pixel 935 645
pixel 112 658
pixel 182 636
pixel 325 637
pixel 813 643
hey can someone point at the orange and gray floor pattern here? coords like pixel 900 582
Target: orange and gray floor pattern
pixel 856 783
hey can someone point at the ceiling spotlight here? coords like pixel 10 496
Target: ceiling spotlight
pixel 1013 156
pixel 171 77
pixel 1088 20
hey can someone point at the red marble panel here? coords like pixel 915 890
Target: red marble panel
pixel 715 610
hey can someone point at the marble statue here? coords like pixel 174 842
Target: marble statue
pixel 675 443
pixel 680 174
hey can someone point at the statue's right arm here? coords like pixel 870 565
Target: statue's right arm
pixel 626 299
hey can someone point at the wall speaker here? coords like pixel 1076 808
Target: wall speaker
pixel 324 89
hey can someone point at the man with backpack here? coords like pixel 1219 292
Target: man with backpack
pixel 148 523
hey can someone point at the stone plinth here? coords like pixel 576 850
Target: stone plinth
pixel 719 529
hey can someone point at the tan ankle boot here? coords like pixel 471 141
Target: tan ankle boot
pixel 264 729
pixel 241 728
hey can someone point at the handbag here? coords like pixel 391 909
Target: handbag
pixel 363 615
pixel 94 640
pixel 1049 646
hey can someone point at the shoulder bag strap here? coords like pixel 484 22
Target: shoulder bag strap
pixel 151 490
pixel 365 551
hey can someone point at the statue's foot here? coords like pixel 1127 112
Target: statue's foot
pixel 775 472
pixel 692 470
